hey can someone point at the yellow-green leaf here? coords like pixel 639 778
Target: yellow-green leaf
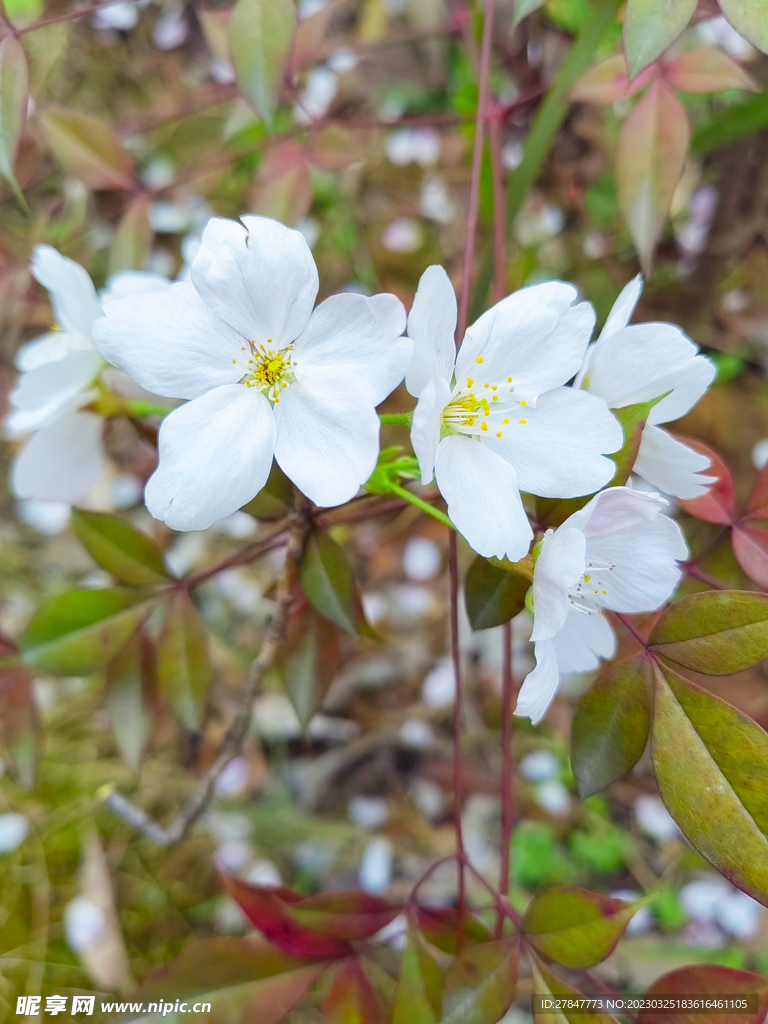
pixel 120 548
pixel 14 85
pixel 78 632
pixel 87 148
pixel 183 668
pixel 260 36
pixel 750 19
pixel 711 765
pixel 650 27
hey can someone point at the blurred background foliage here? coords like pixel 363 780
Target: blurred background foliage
pixel 359 132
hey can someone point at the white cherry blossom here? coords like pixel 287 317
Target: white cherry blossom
pixel 619 553
pixel 632 364
pixel 263 373
pixel 59 373
pixel 495 419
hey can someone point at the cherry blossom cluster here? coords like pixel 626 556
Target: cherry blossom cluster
pixel 266 374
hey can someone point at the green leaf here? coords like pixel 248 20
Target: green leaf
pixel 445 928
pixel 650 28
pixel 133 238
pixel 480 983
pixel 575 927
pixel 183 668
pixel 245 975
pixel 709 980
pixel 711 765
pixel 419 986
pixel 78 632
pixel 14 86
pixel 708 70
pixel 493 595
pixel 352 999
pixel 120 548
pixel 311 663
pixel 525 7
pixel 750 19
pixel 610 726
pixel 632 419
pixel 731 124
pixel 547 984
pixel 87 148
pixel 650 155
pixel 329 583
pixel 260 36
pixel 718 632
pixel 273 499
pixel 125 701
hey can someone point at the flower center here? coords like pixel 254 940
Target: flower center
pixel 269 370
pixel 592 585
pixel 482 408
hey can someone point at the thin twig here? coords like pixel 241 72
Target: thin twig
pixel 77 12
pixel 458 701
pixel 483 106
pixel 507 784
pixel 299 525
pixel 704 577
pixel 632 629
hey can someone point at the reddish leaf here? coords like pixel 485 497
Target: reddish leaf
pixel 443 926
pixel 133 238
pixel 273 999
pixel 284 185
pixel 708 70
pixel 651 151
pixel 717 505
pixel 87 148
pixel 709 980
pixel 608 82
pixel 321 925
pixel 750 545
pixel 184 669
pixel 345 915
pixel 19 721
pixel 311 660
pixel 711 765
pixel 575 927
pixel 352 999
pixel 757 503
pixel 268 909
pixel 480 983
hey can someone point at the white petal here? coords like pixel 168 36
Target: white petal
pixel 634 549
pixel 540 685
pixel 259 276
pixel 359 336
pixel 215 455
pixel 62 461
pixel 53 385
pixel 559 566
pixel 513 327
pixel 132 282
pixel 583 641
pixel 616 508
pixel 558 451
pixel 73 296
pixel 623 308
pixel 639 364
pixel 427 424
pixel 171 343
pixel 432 326
pixel 45 349
pixel 327 437
pixel 483 498
pixel 689 387
pixel 670 465
pixel 556 358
